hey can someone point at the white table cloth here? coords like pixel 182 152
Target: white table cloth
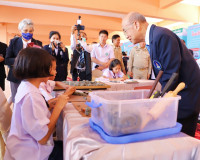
pixel 125 86
pixel 81 142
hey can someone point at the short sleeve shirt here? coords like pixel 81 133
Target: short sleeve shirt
pixel 47 88
pixel 103 54
pixel 29 125
pixel 109 74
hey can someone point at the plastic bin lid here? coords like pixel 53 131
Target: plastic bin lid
pixel 136 137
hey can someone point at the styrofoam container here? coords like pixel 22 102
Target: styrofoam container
pixel 127 112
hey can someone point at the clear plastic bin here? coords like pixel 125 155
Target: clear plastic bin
pixel 127 112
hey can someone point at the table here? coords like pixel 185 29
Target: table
pixel 81 142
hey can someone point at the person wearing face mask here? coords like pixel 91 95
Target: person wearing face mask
pixel 81 39
pixel 57 49
pixel 26 28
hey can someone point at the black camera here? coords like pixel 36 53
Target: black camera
pixel 79 26
pixel 81 64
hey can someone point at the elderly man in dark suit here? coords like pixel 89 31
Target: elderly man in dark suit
pixel 26 28
pixel 170 55
pixel 3 47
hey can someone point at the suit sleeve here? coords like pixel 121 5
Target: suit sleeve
pixel 74 60
pixel 39 43
pixel 3 49
pixel 66 56
pixel 169 56
pixel 10 56
pixel 48 49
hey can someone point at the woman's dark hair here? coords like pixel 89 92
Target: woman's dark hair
pixel 32 63
pixel 124 53
pixel 54 32
pixel 115 37
pixel 103 32
pixel 114 63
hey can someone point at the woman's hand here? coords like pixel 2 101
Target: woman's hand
pixel 130 73
pixel 62 101
pixel 125 77
pixel 53 45
pixel 52 103
pixel 1 58
pixel 70 90
pixel 120 79
pixel 62 46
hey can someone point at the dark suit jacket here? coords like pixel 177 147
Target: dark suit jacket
pixel 191 51
pixel 75 58
pixel 13 49
pixel 61 62
pixel 3 47
pixel 167 49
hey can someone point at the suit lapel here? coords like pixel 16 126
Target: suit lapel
pixel 20 43
pixel 152 48
pixel 151 38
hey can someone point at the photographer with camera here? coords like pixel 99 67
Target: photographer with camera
pixel 81 61
pixel 81 37
pixel 57 49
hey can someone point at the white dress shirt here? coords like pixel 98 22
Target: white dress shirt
pixel 25 43
pixel 103 54
pixel 86 47
pixel 147 43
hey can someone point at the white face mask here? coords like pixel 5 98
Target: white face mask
pixel 55 41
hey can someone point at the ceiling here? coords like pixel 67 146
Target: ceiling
pixel 60 15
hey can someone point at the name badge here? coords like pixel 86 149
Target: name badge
pixel 157 65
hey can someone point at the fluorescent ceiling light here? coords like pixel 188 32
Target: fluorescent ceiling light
pixel 192 2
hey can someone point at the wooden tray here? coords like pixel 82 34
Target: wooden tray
pixel 75 98
pixel 104 86
pixel 79 106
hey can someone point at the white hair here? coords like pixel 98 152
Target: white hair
pixel 24 23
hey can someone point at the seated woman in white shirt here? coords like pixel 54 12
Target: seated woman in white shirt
pixel 114 71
